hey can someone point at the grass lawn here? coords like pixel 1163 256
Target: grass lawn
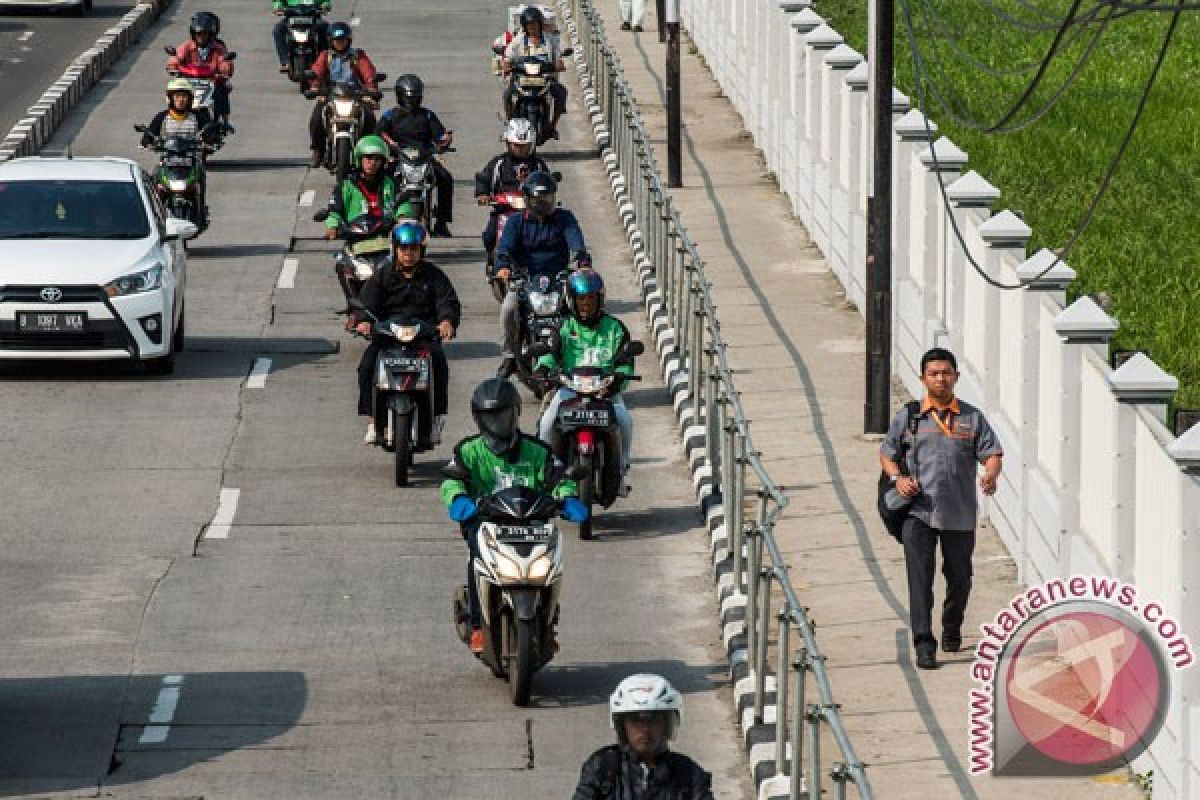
pixel 1143 246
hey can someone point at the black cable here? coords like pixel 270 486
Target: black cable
pixel 1045 108
pixel 1173 8
pixel 1089 214
pixel 1017 22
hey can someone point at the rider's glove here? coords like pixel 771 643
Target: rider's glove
pixel 574 510
pixel 462 508
pixel 582 259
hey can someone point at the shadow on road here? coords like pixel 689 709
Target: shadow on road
pixel 647 523
pixel 67 733
pixel 575 685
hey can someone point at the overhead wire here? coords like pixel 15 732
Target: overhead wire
pixel 1105 184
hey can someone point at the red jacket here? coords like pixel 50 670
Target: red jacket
pixel 364 70
pixel 188 55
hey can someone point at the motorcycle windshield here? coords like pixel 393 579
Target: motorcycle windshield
pixel 516 504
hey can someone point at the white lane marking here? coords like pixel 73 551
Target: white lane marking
pixel 287 276
pixel 306 199
pixel 26 36
pixel 163 712
pixel 354 22
pixel 258 374
pixel 222 521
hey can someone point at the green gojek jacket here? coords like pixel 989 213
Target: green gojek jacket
pixel 279 5
pixel 348 202
pixel 488 472
pixel 582 346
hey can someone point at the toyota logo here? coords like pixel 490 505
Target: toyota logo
pixel 52 294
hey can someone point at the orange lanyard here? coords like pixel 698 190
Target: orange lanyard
pixel 945 429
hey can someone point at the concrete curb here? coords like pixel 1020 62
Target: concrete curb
pixel 758 739
pixel 32 132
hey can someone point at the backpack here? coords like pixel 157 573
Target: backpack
pixel 893 520
pixel 610 775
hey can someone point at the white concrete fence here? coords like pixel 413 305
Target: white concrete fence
pixel 1094 481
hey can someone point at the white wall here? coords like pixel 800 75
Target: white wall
pixel 1093 480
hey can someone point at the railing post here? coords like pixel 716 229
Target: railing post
pixel 782 678
pixel 840 774
pixel 813 777
pixel 796 775
pixel 697 357
pixel 761 637
pixel 753 578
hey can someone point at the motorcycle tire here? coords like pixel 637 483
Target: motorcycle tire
pixel 402 444
pixel 341 158
pixel 296 67
pixel 587 492
pixel 498 290
pixel 461 611
pixel 520 660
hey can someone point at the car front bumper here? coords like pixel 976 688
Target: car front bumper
pixel 114 328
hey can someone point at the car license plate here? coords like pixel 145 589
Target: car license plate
pixel 404 363
pixel 52 322
pixel 518 534
pixel 590 417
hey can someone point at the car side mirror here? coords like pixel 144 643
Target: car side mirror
pixel 180 229
pixel 321 215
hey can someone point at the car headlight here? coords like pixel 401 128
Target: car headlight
pixel 344 108
pixel 135 283
pixel 177 185
pixel 544 302
pixel 405 333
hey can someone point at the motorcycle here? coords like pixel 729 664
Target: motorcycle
pixel 416 182
pixel 541 314
pixel 531 77
pixel 302 38
pixel 343 120
pixel 403 383
pixel 519 576
pixel 587 433
pixel 365 246
pixel 179 180
pixel 204 80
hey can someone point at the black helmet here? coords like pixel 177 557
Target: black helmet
pixel 341 30
pixel 410 90
pixel 496 407
pixel 540 191
pixel 205 22
pixel 582 284
pixel 532 14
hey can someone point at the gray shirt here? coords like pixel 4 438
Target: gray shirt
pixel 943 458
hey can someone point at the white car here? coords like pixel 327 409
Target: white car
pixel 80 7
pixel 91 266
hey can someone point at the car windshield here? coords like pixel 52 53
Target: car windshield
pixel 72 210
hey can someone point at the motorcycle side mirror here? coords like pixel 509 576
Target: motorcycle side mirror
pixel 455 471
pixel 381 76
pixel 141 128
pixel 309 94
pixel 577 472
pixel 557 177
pixel 570 51
pixel 635 349
pixel 539 349
pixel 308 73
pixel 231 57
pixel 356 304
pixel 321 215
pixel 169 50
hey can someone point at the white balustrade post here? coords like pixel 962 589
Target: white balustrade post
pixel 819 41
pixel 858 160
pixel 835 136
pixel 780 100
pixel 943 162
pixel 913 132
pixel 800 179
pixel 1186 452
pixel 971 198
pixel 1139 381
pixel 1007 239
pixel 1083 326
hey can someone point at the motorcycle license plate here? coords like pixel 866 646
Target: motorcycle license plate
pixel 404 363
pixel 522 534
pixel 587 417
pixel 376 245
pixel 53 322
pixel 532 80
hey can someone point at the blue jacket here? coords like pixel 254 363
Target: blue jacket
pixel 541 247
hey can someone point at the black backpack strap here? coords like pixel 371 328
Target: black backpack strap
pixel 610 771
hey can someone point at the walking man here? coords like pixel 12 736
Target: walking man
pixel 947 438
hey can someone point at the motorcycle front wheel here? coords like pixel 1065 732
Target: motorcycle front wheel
pixel 587 493
pixel 341 158
pixel 402 444
pixel 520 660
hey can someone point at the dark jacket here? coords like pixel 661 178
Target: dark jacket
pixel 403 127
pixel 505 173
pixel 613 773
pixel 542 246
pixel 428 295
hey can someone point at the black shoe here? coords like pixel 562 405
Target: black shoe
pixel 442 230
pixel 927 655
pixel 507 367
pixel 951 642
pixel 624 26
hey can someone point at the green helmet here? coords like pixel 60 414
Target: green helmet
pixel 370 146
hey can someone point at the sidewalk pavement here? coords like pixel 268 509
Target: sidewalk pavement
pixel 797 349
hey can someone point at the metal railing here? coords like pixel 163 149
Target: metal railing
pixel 758 570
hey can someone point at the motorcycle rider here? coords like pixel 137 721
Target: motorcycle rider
pixel 534 41
pixel 340 64
pixel 588 337
pixel 505 173
pixel 543 239
pixel 409 124
pixel 204 49
pixel 408 285
pixel 646 712
pixel 499 456
pixel 179 119
pixel 279 33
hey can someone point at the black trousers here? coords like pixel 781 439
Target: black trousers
pixel 445 192
pixel 920 559
pixel 366 379
pixel 316 126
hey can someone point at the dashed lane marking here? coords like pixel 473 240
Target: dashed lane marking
pixel 222 521
pixel 163 712
pixel 287 275
pixel 258 374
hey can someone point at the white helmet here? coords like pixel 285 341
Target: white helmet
pixel 519 131
pixel 645 693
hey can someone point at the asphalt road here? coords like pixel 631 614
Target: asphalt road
pixel 36 46
pixel 311 653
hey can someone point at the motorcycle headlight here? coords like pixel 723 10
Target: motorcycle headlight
pixel 405 333
pixel 533 68
pixel 344 108
pixel 414 173
pixel 177 185
pixel 363 269
pixel 589 384
pixel 135 283
pixel 300 35
pixel 544 302
pixel 540 568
